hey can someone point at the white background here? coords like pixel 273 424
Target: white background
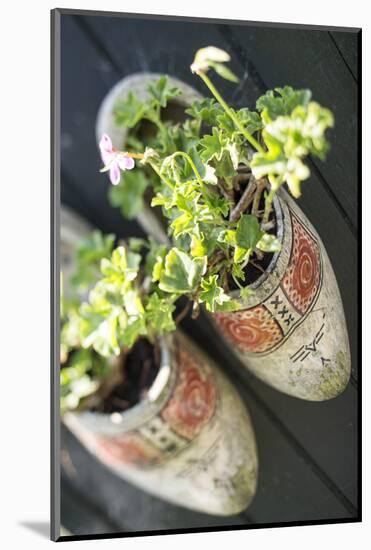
pixel 25 264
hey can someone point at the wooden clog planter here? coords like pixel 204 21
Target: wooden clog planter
pixel 292 332
pixel 190 442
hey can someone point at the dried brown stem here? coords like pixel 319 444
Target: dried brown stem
pixel 259 254
pixel 244 202
pixel 218 256
pixel 238 179
pixel 260 186
pixel 267 226
pixel 257 266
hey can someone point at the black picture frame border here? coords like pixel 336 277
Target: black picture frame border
pixel 55 170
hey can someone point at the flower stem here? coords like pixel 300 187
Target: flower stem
pixel 245 201
pixel 229 111
pixel 133 155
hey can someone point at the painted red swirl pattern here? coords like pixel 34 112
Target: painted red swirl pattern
pixel 254 330
pixel 194 398
pixel 302 277
pixel 189 409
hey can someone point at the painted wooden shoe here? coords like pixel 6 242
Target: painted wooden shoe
pixel 190 441
pixel 293 333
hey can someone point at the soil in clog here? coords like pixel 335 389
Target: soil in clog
pixel 139 369
pixel 135 374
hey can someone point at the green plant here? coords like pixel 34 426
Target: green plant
pixel 126 303
pixel 89 252
pixel 215 176
pixel 123 304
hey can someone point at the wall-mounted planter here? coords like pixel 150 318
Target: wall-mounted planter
pixel 292 331
pixel 190 441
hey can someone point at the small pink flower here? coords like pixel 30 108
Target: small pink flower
pixel 114 160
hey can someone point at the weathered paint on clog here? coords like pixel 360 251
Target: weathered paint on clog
pixel 190 442
pixel 292 331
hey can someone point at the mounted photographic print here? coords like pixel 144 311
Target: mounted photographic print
pixel 205 210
